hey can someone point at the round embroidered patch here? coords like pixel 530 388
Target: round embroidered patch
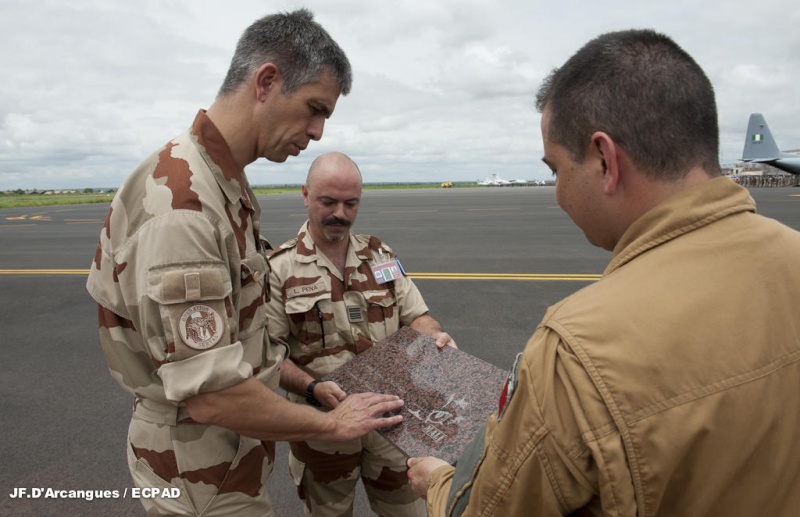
pixel 201 327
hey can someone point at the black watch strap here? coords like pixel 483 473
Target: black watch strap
pixel 310 394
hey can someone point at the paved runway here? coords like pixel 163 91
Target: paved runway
pixel 487 260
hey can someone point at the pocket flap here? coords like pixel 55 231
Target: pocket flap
pixel 188 283
pixel 383 297
pixel 303 304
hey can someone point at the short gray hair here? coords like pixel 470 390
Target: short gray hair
pixel 300 47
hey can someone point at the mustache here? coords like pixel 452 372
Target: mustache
pixel 335 221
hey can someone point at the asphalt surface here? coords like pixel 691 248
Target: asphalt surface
pixel 64 420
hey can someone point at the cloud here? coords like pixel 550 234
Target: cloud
pixel 443 90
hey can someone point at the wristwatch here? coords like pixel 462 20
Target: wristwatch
pixel 310 394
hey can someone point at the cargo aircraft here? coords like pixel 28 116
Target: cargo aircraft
pixel 760 147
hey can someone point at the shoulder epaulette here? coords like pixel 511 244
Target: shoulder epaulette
pixel 290 244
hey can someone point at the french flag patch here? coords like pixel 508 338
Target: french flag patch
pixel 509 388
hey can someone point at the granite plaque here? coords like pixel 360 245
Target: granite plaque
pixel 448 393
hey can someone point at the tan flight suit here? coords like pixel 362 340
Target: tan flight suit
pixel 669 387
pixel 327 319
pixel 180 277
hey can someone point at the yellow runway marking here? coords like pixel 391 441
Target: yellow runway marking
pixel 537 277
pixel 531 277
pixel 490 209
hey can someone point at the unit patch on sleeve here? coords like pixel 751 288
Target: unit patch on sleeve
pixel 201 327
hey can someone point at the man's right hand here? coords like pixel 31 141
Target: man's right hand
pixel 361 413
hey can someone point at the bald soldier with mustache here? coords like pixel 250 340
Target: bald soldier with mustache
pixel 329 306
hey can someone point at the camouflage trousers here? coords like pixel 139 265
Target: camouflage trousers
pixel 202 470
pixel 326 475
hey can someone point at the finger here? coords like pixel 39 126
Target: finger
pixel 383 422
pixel 338 392
pixel 387 406
pixel 375 398
pixel 330 401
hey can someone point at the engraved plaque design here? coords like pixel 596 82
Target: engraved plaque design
pixel 448 393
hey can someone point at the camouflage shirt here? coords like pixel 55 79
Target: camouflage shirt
pixel 327 319
pixel 180 274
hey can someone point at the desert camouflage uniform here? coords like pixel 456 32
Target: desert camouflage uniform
pixel 180 277
pixel 327 320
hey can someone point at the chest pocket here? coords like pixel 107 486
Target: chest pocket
pixel 312 324
pixel 254 293
pixel 382 312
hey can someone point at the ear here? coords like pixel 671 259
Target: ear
pixel 608 152
pixel 267 78
pixel 304 190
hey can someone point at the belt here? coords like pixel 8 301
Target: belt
pixel 157 413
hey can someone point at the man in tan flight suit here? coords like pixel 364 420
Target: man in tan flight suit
pixel 332 298
pixel 670 386
pixel 180 278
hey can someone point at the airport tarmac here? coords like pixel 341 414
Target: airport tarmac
pixel 488 261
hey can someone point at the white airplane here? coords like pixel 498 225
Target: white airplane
pixel 760 147
pixel 494 181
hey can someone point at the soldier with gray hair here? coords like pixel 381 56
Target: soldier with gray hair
pixel 669 386
pixel 180 277
pixel 334 294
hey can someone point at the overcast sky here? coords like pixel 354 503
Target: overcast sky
pixel 443 89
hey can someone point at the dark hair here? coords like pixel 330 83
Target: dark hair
pixel 296 44
pixel 644 91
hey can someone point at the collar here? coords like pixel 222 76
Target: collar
pixel 682 213
pixel 219 158
pixel 356 249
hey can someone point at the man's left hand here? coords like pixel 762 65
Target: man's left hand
pixel 329 394
pixel 443 339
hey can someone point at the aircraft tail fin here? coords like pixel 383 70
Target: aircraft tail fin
pixel 759 144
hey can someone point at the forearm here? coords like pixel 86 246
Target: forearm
pixel 293 379
pixel 251 409
pixel 426 325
